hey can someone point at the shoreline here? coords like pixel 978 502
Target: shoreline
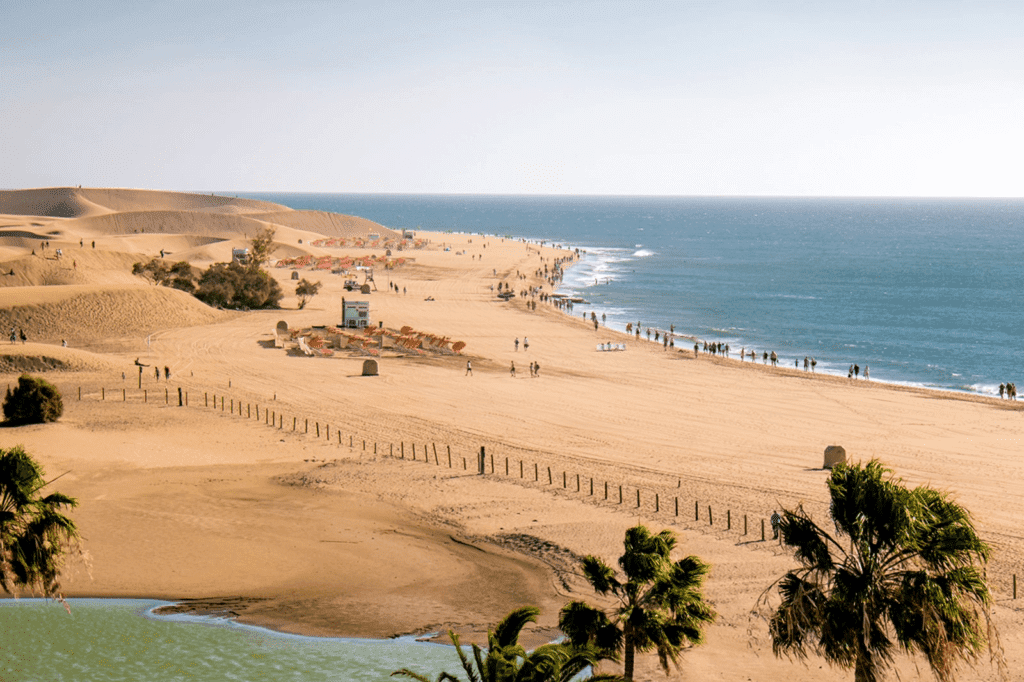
pixel 351 539
pixel 583 251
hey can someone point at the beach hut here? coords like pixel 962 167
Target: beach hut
pixel 370 368
pixel 355 314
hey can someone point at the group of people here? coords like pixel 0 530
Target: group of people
pixel 526 344
pixel 1010 391
pixel 854 372
pixel 18 333
pixel 534 369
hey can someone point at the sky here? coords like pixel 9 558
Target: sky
pixel 628 98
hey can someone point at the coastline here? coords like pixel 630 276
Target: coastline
pixel 352 539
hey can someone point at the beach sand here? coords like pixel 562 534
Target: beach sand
pixel 341 535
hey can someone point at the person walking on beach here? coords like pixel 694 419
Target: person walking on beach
pixel 469 368
pixel 814 363
pixel 856 371
pixel 517 344
pixel 21 333
pixel 696 349
pixel 526 344
pixel 156 370
pixel 867 373
pixel 805 363
pixel 167 373
pixel 512 369
pixel 1002 388
pixel 776 522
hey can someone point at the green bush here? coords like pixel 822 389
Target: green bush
pixel 233 285
pixel 180 275
pixel 34 401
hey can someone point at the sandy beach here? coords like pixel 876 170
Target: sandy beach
pixel 366 529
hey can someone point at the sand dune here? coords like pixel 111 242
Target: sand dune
pixel 71 202
pixel 83 314
pixel 352 541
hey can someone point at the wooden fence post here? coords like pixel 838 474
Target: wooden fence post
pixel 696 510
pixel 728 519
pixel 762 530
pixel 744 524
pixel 506 466
pixel 206 399
pixel 677 506
pixel 549 475
pixel 79 392
pixel 124 395
pixel 620 494
pixel 711 519
pixel 638 498
pixel 449 456
pixel 563 479
pixel 520 468
pixel 606 490
pixel 307 423
pixel 591 486
pixel 536 474
pixel 318 429
pixel 167 397
pixel 657 503
pixel 145 395
pixel 103 394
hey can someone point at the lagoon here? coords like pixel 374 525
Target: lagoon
pixel 115 640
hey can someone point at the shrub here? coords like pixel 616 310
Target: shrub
pixel 232 285
pixel 34 401
pixel 180 275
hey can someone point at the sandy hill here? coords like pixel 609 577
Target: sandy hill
pixel 82 313
pixel 71 202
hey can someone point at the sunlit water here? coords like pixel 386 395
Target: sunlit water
pixel 115 640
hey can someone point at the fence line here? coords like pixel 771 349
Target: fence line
pixel 275 420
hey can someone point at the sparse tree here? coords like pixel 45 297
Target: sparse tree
pixel 903 570
pixel 305 291
pixel 261 247
pixel 35 535
pixel 661 606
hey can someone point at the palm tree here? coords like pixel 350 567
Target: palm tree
pixel 661 606
pixel 507 661
pixel 908 575
pixel 34 533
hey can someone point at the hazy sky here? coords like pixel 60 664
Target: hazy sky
pixel 811 98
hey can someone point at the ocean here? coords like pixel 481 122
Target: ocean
pixel 924 292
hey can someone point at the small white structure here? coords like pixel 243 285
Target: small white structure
pixel 355 314
pixel 408 234
pixel 240 256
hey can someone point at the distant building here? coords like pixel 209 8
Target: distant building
pixel 408 234
pixel 355 314
pixel 240 256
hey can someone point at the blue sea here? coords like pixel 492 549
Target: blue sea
pixel 925 292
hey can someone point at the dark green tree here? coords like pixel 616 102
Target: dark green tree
pixel 507 661
pixel 232 285
pixel 660 603
pixel 902 571
pixel 33 401
pixel 35 535
pixel 305 291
